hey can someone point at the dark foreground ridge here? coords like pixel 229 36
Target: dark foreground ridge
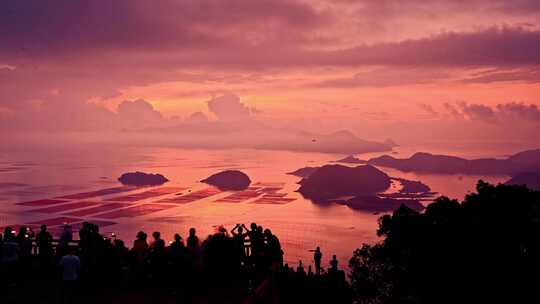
pixel 483 249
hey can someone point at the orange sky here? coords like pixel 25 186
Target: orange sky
pixel 315 65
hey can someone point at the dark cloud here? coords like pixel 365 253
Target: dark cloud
pixel 385 77
pixel 504 114
pixel 428 108
pixel 525 74
pixel 529 112
pixel 495 46
pixel 478 112
pixel 452 110
pixel 69 28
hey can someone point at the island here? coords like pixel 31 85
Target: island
pixel 362 188
pixel 334 181
pixel 142 179
pixel 371 203
pixel 409 186
pixel 350 160
pixel 229 180
pixel 444 164
pixel 303 172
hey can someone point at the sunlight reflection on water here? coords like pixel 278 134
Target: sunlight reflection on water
pixel 301 225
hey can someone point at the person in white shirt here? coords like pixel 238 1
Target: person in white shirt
pixel 70 265
pixel 9 262
pixel 10 250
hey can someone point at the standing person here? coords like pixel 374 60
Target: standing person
pixel 10 256
pixel 193 240
pixel 65 238
pixel 274 251
pixel 139 253
pixel 70 267
pixel 44 244
pixel 1 243
pixel 24 238
pixel 176 254
pixel 157 256
pixel 176 249
pixel 300 271
pixel 334 263
pixel 317 257
pixel 256 240
pixel 239 237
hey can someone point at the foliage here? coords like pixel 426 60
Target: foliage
pixel 480 248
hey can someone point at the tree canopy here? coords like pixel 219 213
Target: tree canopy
pixel 481 248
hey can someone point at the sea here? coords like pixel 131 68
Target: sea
pixel 71 184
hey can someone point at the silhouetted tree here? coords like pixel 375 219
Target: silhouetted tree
pixel 480 249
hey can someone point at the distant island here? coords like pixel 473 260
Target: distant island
pixel 142 179
pixel 377 204
pixel 444 164
pixel 360 188
pixel 304 172
pixel 410 186
pixel 351 159
pixel 229 180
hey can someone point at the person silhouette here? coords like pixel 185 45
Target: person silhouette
pixel 300 271
pixel 317 257
pixel 24 238
pixel 70 266
pixel 157 249
pixel 193 240
pixel 177 245
pixel 44 244
pixel 334 263
pixel 9 262
pixel 239 237
pixel 274 249
pixel 256 240
pixel 157 256
pixel 63 242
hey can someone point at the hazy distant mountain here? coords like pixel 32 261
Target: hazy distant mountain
pixel 431 163
pixel 255 135
pixel 350 160
pixel 531 179
pixel 370 203
pixel 391 143
pixel 338 142
pixel 304 172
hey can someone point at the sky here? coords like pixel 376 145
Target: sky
pixel 411 70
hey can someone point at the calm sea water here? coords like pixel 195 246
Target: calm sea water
pixel 32 174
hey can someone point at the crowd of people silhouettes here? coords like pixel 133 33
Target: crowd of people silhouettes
pixel 252 258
